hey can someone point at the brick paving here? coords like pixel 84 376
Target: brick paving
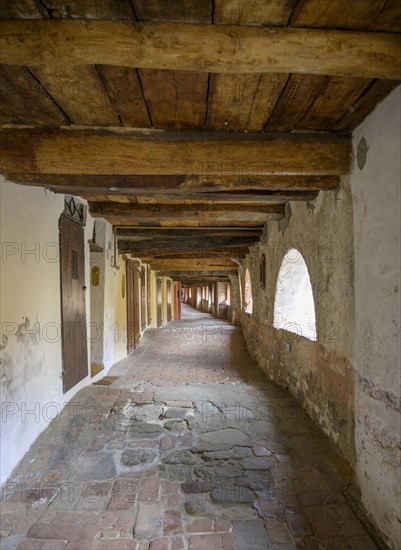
pixel 190 448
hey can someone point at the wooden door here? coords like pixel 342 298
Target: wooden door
pixel 133 328
pixel 169 314
pixel 73 309
pixel 159 302
pixel 143 298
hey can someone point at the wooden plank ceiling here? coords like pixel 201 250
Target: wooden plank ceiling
pixel 186 158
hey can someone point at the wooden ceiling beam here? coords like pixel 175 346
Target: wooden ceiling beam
pixel 179 184
pixel 77 151
pixel 203 281
pixel 237 252
pixel 194 264
pixel 195 274
pixel 263 197
pixel 143 233
pixel 201 47
pixel 128 213
pixel 186 245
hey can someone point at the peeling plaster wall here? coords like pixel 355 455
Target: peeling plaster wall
pixel 376 358
pixel 349 379
pixel 30 347
pixel 30 372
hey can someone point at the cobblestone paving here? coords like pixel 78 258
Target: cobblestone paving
pixel 191 447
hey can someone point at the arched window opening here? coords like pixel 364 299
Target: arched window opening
pixel 248 293
pixel 294 308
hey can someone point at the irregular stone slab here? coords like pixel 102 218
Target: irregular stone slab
pixel 218 455
pixel 242 452
pixel 175 425
pixel 256 480
pixel 202 447
pixel 232 494
pixel 180 457
pixel 145 430
pixel 206 409
pixel 175 472
pixel 149 520
pixel 200 506
pixel 261 451
pixel 261 427
pixel 218 472
pixel 145 413
pixel 228 436
pixel 138 457
pixel 257 463
pixel 94 466
pixel 194 487
pixel 238 512
pixel 175 412
pixel 251 534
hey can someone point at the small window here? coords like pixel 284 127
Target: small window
pixel 294 307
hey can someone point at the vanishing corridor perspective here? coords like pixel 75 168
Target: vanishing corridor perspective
pixel 185 443
pixel 200 274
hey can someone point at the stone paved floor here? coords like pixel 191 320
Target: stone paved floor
pixel 191 447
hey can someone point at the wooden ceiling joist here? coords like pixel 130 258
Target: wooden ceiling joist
pixel 235 252
pixel 178 184
pixel 235 212
pixel 187 243
pixel 193 265
pixel 72 151
pixel 133 233
pixel 201 47
pixel 196 274
pixel 198 249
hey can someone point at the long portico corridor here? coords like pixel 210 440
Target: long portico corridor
pixel 189 446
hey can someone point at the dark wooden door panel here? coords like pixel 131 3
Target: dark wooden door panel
pixel 133 327
pixel 73 311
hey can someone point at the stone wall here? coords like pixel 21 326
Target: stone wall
pixel 318 373
pixel 348 380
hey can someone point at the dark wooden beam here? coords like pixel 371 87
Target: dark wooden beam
pixel 197 255
pixel 186 243
pixel 200 47
pixel 261 197
pixel 77 151
pixel 184 266
pixel 211 182
pixel 172 233
pixel 196 274
pixel 129 213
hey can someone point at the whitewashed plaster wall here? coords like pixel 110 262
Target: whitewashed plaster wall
pixel 376 356
pixel 30 317
pixel 349 379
